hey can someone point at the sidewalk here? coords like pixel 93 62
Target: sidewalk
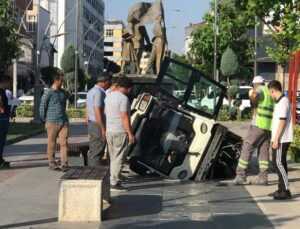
pixel 29 198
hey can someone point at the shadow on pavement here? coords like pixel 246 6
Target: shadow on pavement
pixel 29 223
pixel 124 206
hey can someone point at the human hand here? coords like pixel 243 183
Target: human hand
pixel 103 135
pixel 2 110
pixel 275 144
pixel 131 138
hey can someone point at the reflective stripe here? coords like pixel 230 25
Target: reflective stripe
pixel 265 116
pixel 263 164
pixel 266 108
pixel 242 166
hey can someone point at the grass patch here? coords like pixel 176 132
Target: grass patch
pixel 20 129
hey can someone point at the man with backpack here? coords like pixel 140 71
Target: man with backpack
pixel 53 113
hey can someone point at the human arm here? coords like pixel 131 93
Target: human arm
pixel 86 114
pixel 44 106
pixel 99 115
pixel 2 109
pixel 279 132
pixel 127 126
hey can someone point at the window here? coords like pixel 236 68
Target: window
pixel 109 33
pixel 109 44
pixel 31 23
pixel 108 53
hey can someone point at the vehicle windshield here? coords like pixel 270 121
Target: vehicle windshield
pixel 192 89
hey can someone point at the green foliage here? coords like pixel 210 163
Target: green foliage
pixel 247 113
pixel 67 62
pixel 235 82
pixel 232 29
pixel 233 90
pixel 233 112
pixel 294 149
pixel 76 113
pixel 229 63
pixel 283 25
pixel 8 36
pixel 224 114
pixel 25 111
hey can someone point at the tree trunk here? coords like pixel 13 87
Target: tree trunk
pixel 229 97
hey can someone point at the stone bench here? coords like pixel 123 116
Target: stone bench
pixel 77 153
pixel 82 190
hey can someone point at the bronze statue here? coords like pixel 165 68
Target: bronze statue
pixel 139 36
pixel 128 52
pixel 158 49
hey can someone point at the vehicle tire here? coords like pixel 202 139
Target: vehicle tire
pixel 137 167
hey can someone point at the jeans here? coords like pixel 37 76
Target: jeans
pixel 4 124
pixel 96 145
pixel 117 147
pixel 54 131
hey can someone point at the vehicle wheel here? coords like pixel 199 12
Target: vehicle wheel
pixel 137 167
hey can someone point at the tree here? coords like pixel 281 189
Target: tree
pixel 282 17
pixel 232 30
pixel 229 64
pixel 8 36
pixel 67 61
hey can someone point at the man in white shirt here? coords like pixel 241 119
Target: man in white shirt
pixel 282 136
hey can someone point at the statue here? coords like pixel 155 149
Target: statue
pixel 135 34
pixel 128 52
pixel 139 36
pixel 158 49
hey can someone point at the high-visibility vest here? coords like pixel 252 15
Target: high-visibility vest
pixel 265 110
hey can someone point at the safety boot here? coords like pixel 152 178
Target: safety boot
pixel 260 181
pixel 236 181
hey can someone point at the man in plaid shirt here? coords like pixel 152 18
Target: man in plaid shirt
pixel 53 113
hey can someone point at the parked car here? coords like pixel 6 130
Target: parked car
pixel 81 99
pixel 177 135
pixel 28 97
pixel 243 95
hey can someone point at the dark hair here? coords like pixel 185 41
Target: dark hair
pixel 56 74
pixel 274 84
pixel 125 82
pixel 105 76
pixel 115 80
pixel 4 78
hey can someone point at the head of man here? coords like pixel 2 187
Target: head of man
pixel 125 85
pixel 5 82
pixel 104 80
pixel 258 81
pixel 275 89
pixel 57 78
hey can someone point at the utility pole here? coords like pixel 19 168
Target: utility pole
pixel 37 87
pixel 76 54
pixel 216 33
pixel 255 46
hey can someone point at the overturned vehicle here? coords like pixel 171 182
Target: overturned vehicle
pixel 176 130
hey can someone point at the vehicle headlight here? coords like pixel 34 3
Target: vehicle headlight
pixel 144 103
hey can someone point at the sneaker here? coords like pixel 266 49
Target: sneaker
pixel 65 168
pixel 272 194
pixel 260 181
pixel 283 195
pixel 54 168
pixel 236 181
pixel 118 188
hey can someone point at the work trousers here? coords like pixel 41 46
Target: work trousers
pixel 4 125
pixel 280 165
pixel 54 131
pixel 256 138
pixel 157 54
pixel 117 147
pixel 96 145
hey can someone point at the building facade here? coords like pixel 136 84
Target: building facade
pixel 188 36
pixel 113 40
pixel 90 23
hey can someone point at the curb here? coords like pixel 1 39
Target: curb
pixel 25 136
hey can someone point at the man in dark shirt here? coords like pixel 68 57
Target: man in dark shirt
pixel 5 83
pixel 53 113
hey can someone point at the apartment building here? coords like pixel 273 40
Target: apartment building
pixel 113 40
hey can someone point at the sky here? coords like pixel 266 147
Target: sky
pixel 178 15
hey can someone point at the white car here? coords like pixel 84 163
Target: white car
pixel 208 100
pixel 81 99
pixel 28 97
